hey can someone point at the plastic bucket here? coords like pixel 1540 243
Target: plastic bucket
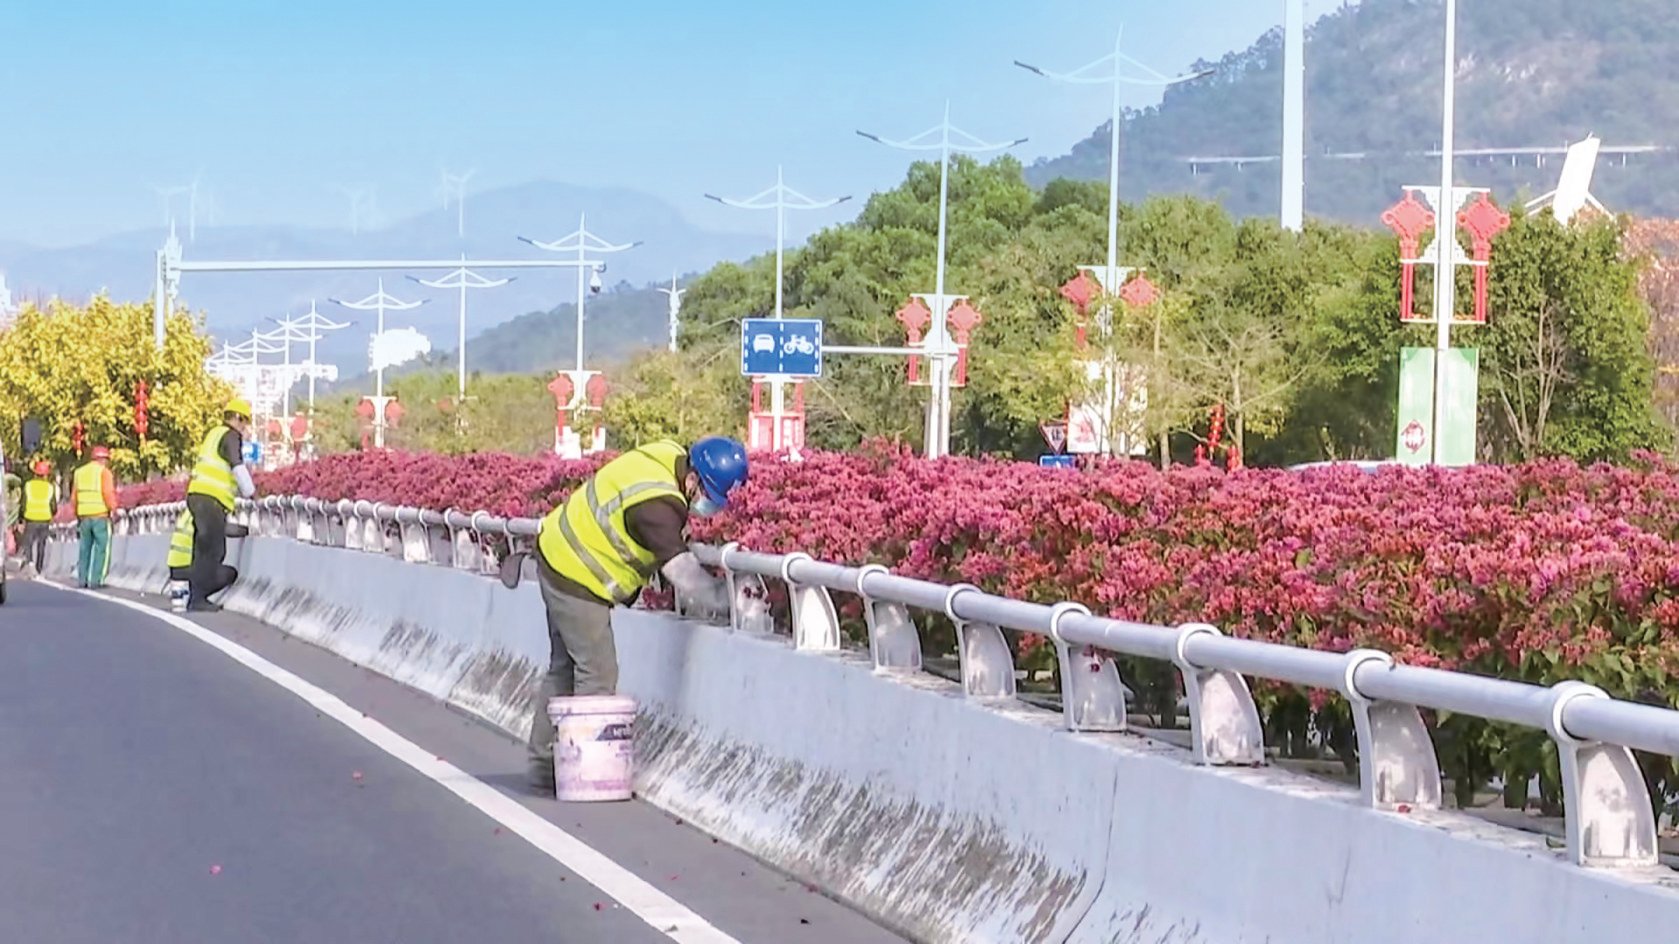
pixel 178 592
pixel 594 747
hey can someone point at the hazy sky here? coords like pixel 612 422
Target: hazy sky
pixel 280 103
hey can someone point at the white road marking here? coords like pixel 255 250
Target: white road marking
pixel 660 911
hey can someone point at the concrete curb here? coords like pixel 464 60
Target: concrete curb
pixel 946 818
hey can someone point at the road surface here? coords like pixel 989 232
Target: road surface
pixel 153 789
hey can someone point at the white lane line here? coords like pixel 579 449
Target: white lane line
pixel 662 912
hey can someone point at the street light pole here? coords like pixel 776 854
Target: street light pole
pixel 1112 274
pixel 1294 115
pixel 379 302
pixel 308 329
pixel 1445 232
pixel 937 435
pixel 463 279
pixel 673 293
pixel 586 241
pixel 782 193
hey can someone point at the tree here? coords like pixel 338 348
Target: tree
pixel 67 365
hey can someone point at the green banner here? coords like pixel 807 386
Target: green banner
pixel 1459 383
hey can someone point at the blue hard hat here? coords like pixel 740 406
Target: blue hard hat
pixel 720 464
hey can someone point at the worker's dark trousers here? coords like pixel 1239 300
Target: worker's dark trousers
pixel 209 546
pixel 35 543
pixel 582 660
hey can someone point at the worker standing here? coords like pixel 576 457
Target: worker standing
pixel 598 549
pixel 96 500
pixel 218 478
pixel 40 503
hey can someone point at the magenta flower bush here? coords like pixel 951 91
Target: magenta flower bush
pixel 1537 572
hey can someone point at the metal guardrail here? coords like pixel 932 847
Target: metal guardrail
pixel 1609 821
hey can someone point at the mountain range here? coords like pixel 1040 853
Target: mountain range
pixel 237 303
pixel 1532 74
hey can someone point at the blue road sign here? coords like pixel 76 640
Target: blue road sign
pixel 1056 462
pixel 786 347
pixel 253 452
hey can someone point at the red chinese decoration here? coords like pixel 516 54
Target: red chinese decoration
pixel 1233 453
pixel 299 427
pixel 1408 219
pixel 393 413
pixel 1139 292
pixel 561 388
pixel 915 317
pixel 1080 291
pixel 1484 221
pixel 140 400
pixel 77 437
pixel 964 318
pixel 596 390
pixel 364 409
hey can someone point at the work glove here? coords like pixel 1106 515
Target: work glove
pixel 701 593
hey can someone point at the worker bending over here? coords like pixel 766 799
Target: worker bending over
pixel 40 503
pixel 599 548
pixel 218 478
pixel 96 500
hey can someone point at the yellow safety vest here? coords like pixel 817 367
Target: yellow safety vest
pixel 90 491
pixel 212 475
pixel 585 540
pixel 37 500
pixel 180 543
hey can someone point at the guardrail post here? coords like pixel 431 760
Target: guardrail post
pixel 816 626
pixel 894 643
pixel 463 553
pixel 741 584
pixel 1223 719
pixel 1397 763
pixel 484 560
pixel 1092 696
pixel 986 663
pixel 1606 804
pixel 416 541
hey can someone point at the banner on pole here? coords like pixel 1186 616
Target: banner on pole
pixel 1459 390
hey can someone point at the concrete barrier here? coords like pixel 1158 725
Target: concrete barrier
pixel 946 818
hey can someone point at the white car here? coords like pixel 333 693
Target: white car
pixel 763 342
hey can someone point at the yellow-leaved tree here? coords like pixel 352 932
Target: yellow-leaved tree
pixel 69 364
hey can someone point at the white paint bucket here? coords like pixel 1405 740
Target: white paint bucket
pixel 178 591
pixel 594 747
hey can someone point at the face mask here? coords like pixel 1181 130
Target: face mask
pixel 705 507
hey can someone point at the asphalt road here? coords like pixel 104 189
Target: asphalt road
pixel 154 790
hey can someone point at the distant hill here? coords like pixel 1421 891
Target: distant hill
pixel 617 323
pixel 1533 73
pixel 235 303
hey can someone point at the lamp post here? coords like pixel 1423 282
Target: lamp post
pixel 786 198
pixel 463 279
pixel 937 433
pixel 455 184
pixel 380 301
pixel 585 241
pixel 1294 115
pixel 673 293
pixel 1111 275
pixel 307 330
pixel 1445 239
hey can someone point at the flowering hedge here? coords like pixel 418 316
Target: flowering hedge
pixel 1537 572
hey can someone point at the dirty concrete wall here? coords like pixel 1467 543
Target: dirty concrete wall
pixel 951 820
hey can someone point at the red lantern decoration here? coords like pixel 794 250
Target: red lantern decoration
pixel 1484 221
pixel 140 401
pixel 964 318
pixel 914 316
pixel 393 412
pixel 77 437
pixel 299 427
pixel 1139 292
pixel 1408 219
pixel 595 389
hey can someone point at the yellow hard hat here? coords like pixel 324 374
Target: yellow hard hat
pixel 239 406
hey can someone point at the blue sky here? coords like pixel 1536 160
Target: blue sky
pixel 279 103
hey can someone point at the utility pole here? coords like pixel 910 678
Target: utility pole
pixel 786 199
pixel 379 302
pixel 673 293
pixel 939 355
pixel 585 242
pixel 463 279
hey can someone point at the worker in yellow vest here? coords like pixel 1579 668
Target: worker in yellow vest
pixel 96 500
pixel 219 477
pixel 40 503
pixel 599 548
